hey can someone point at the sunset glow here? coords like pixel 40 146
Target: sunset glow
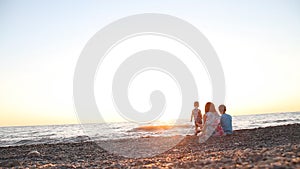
pixel 39 48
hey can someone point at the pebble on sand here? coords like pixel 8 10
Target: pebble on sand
pixel 34 154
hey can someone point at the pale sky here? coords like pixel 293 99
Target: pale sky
pixel 256 41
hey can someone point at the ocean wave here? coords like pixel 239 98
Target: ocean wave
pixel 81 138
pixel 15 136
pixel 26 141
pixel 277 121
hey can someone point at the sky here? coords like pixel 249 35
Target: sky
pixel 257 43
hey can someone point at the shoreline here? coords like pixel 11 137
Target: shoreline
pixel 260 147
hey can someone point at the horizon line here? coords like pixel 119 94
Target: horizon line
pixel 129 121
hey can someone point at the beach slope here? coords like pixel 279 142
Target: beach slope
pixel 272 147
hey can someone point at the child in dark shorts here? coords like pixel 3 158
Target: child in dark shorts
pixel 196 113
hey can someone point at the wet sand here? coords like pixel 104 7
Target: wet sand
pixel 271 147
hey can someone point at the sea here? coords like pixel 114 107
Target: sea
pixel 72 133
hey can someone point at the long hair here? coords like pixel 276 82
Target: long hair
pixel 210 107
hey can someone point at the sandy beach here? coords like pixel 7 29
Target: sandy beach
pixel 270 147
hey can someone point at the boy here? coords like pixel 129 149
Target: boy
pixel 226 120
pixel 196 113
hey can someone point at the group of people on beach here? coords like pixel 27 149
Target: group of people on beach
pixel 211 123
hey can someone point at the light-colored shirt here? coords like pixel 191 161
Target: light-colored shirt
pixel 226 123
pixel 212 119
pixel 211 123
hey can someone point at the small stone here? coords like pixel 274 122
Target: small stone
pixel 34 154
pixel 239 161
pixel 264 150
pixel 226 160
pixel 245 163
pixel 236 144
pixel 247 150
pixel 80 160
pixel 169 164
pixel 249 166
pixel 71 166
pixel 168 159
pixel 296 160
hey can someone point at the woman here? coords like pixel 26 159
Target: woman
pixel 211 120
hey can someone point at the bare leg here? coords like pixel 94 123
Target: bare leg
pixel 196 129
